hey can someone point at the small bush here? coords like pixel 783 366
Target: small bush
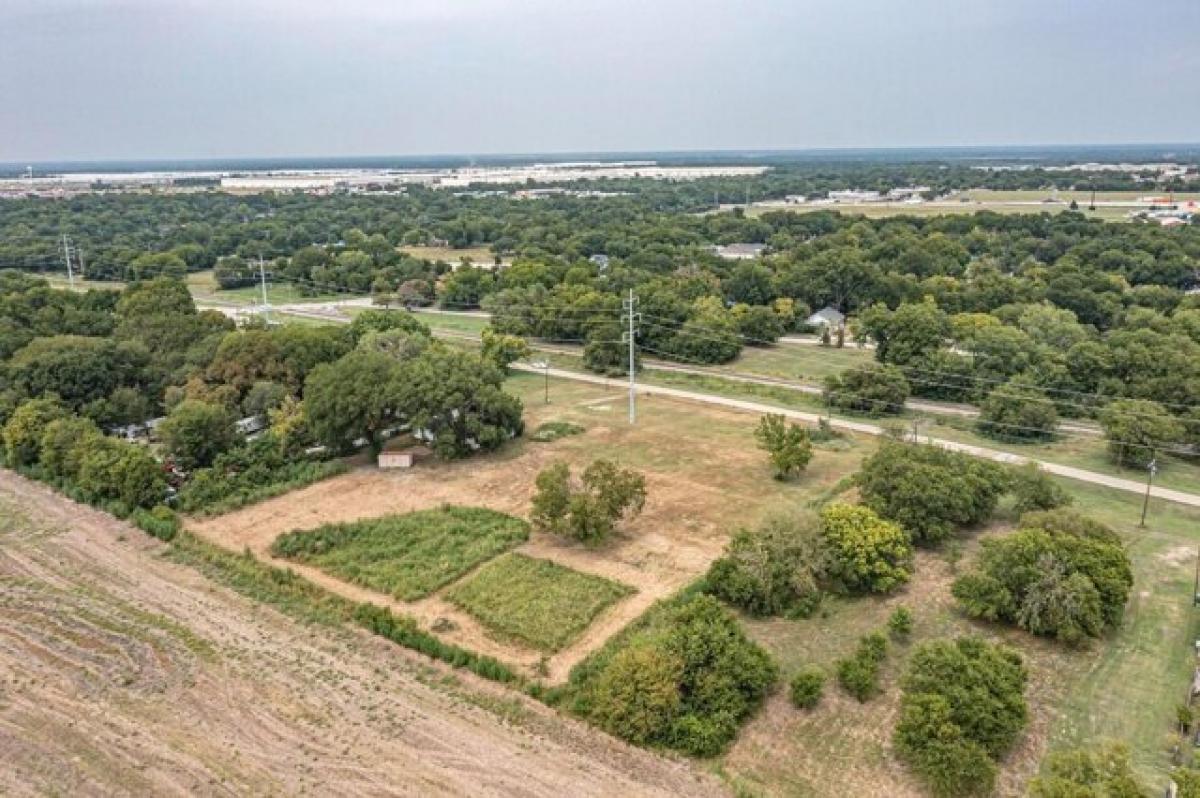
pixel 900 623
pixel 1018 413
pixel 1034 489
pixel 160 522
pixel 553 430
pixel 858 674
pixel 807 687
pixel 1101 772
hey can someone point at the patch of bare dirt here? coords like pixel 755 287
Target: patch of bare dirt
pixel 124 674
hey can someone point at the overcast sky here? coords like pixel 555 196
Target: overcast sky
pixel 82 79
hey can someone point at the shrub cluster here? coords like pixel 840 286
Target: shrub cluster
pixel 929 490
pixel 783 566
pixel 807 686
pixel 45 440
pixel 963 706
pixel 858 674
pixel 587 511
pixel 1017 413
pixel 773 569
pixel 1058 575
pixel 685 681
pixel 862 552
pixel 1102 772
pixel 873 389
pixel 250 473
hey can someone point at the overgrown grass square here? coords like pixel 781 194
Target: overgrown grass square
pixel 407 556
pixel 536 602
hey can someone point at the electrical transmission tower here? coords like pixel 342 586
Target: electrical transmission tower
pixel 631 316
pixel 262 277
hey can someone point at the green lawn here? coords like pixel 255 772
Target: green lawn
pixel 536 602
pixel 407 556
pixel 453 322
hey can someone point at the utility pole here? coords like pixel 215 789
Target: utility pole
pixel 630 305
pixel 916 429
pixel 262 277
pixel 66 244
pixel 1151 470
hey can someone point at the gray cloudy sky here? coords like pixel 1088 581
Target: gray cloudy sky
pixel 218 78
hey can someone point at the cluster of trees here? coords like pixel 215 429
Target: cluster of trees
pixel 1060 574
pixel 684 680
pixel 123 358
pixel 46 438
pixel 963 707
pixel 590 509
pixel 1027 363
pixel 784 565
pixel 1113 281
pixel 930 491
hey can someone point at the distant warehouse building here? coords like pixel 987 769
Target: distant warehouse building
pixel 739 251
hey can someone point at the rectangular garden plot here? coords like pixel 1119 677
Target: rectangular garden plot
pixel 407 556
pixel 536 602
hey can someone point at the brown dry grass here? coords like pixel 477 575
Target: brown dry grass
pixel 704 478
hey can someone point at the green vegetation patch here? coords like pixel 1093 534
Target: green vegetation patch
pixel 553 430
pixel 537 602
pixel 407 556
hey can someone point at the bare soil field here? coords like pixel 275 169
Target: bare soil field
pixel 122 673
pixel 704 478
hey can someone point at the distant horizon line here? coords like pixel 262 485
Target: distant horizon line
pixel 723 154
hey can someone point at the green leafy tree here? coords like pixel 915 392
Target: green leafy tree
pixel 864 553
pixel 63 444
pixel 773 569
pixel 456 401
pixel 788 446
pixel 25 427
pixel 928 490
pixel 195 433
pixel 590 510
pixel 1016 412
pixel 350 399
pixel 637 696
pixel 502 349
pixel 962 708
pixel 1136 428
pixel 874 389
pixel 1049 582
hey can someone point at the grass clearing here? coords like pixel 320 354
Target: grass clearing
pixel 536 602
pixel 406 556
pixel 450 254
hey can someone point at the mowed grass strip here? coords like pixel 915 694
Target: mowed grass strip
pixel 536 602
pixel 407 556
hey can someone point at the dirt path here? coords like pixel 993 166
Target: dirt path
pixel 123 673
